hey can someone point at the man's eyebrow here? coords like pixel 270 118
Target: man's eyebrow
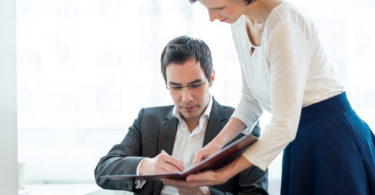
pixel 173 83
pixel 193 82
pixel 196 81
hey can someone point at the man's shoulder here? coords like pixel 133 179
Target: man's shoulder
pixel 227 110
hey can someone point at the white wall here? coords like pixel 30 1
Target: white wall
pixel 8 98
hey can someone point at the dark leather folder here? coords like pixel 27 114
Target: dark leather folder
pixel 215 161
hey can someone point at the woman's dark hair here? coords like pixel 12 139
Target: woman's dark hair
pixel 247 1
pixel 183 48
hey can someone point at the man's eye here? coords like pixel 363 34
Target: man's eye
pixel 195 86
pixel 177 87
pixel 218 8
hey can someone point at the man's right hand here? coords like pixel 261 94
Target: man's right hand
pixel 162 163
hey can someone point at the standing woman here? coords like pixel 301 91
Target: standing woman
pixel 328 149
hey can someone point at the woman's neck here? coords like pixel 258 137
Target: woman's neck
pixel 259 11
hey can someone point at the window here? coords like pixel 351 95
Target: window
pixel 85 68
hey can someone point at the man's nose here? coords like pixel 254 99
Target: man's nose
pixel 186 96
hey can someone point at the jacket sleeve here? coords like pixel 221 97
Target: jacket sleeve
pixel 253 181
pixel 123 158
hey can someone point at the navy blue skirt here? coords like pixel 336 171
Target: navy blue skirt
pixel 333 152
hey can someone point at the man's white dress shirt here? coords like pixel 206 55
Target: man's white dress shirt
pixel 186 144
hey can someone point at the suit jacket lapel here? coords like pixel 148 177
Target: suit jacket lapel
pixel 215 123
pixel 167 135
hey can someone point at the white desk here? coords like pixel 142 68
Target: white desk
pixel 60 189
pixel 69 189
pixel 93 189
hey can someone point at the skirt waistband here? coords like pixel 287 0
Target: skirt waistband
pixel 326 108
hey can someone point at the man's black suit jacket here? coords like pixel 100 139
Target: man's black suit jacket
pixel 155 130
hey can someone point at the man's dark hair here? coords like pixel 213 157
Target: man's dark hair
pixel 247 1
pixel 183 48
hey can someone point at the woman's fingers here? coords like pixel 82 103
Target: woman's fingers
pixel 204 177
pixel 205 152
pixel 199 156
pixel 207 178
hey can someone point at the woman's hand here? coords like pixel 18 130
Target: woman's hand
pixel 232 129
pixel 207 178
pixel 211 178
pixel 206 151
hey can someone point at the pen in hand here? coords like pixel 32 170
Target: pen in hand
pixel 177 163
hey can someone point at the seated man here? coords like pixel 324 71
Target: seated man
pixel 165 139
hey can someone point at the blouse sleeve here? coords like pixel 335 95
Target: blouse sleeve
pixel 288 56
pixel 248 109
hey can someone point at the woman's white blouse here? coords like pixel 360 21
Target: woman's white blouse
pixel 288 71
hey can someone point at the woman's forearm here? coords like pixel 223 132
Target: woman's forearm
pixel 232 129
pixel 235 167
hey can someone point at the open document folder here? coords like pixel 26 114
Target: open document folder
pixel 215 161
